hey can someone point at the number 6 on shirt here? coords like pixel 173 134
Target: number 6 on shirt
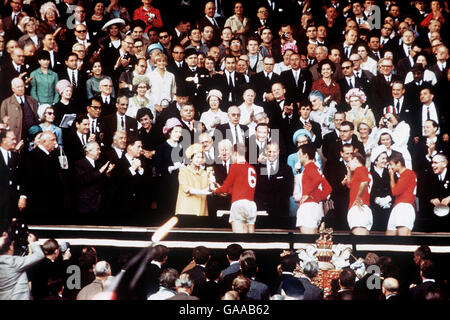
pixel 251 177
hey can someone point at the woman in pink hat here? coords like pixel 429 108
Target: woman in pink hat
pixel 359 112
pixel 168 161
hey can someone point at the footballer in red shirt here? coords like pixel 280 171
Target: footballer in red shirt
pixel 315 189
pixel 359 181
pixel 403 215
pixel 241 183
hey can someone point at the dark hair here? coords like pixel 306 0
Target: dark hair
pixel 309 149
pixel 143 112
pixel 349 124
pixel 132 139
pixel 347 60
pixel 98 99
pixel 326 61
pixel 159 253
pixel 359 157
pixel 428 269
pixel 201 254
pixel 5 245
pixel 249 267
pixel 212 270
pixel 289 262
pixel 396 158
pixel 347 277
pixel 80 117
pixel 70 54
pixel 138 23
pixel 234 250
pixel 424 252
pixel 50 246
pixel 43 55
pixel 345 145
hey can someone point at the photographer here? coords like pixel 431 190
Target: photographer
pixel 400 130
pixel 13 278
pixel 50 267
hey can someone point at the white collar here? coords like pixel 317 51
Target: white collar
pixel 91 161
pixel 156 263
pixel 43 149
pixel 119 152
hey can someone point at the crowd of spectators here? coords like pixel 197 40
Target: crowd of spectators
pixel 50 272
pixel 100 100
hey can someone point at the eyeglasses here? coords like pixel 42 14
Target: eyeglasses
pixel 346 67
pixel 96 108
pixel 163 37
pixel 81 31
pixel 344 131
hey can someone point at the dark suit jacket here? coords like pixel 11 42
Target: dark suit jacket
pixel 419 292
pixel 296 91
pixel 403 67
pixel 197 275
pixel 261 85
pixel 204 21
pixel 272 193
pixel 209 291
pixel 223 131
pixel 220 82
pixel 361 83
pixel 43 184
pixel 333 146
pixel 196 91
pixel 74 148
pixel 108 108
pixel 380 93
pixel 312 292
pixel 110 126
pixel 9 191
pixel 442 114
pixel 79 93
pixel 439 74
pixel 8 73
pixel 362 292
pixel 90 186
pixel 183 296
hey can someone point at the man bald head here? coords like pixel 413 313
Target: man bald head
pixel 390 287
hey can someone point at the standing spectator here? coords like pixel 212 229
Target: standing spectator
pixel 13 277
pixel 310 271
pixel 149 14
pixel 239 24
pixel 162 84
pixel 390 289
pixel 326 85
pixel 428 274
pixel 102 272
pixel 93 83
pixel 20 109
pixel 64 106
pixel 44 80
pixel 234 251
pixel 356 98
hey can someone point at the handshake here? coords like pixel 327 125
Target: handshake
pixel 384 202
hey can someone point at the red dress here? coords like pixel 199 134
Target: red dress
pixel 144 15
pixel 333 90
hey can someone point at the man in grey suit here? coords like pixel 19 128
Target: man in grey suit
pixel 312 292
pixel 20 109
pixel 13 276
pixel 184 286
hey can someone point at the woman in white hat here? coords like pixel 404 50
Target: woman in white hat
pixel 248 107
pixel 381 200
pixel 214 116
pixel 359 112
pixel 46 115
pixel 49 17
pixel 139 101
pixel 193 184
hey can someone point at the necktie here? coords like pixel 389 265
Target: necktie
pixel 74 82
pixel 346 51
pixel 83 139
pixel 350 83
pixel 236 133
pixel 272 170
pixel 397 106
pixel 22 102
pixel 296 78
pixel 428 113
pixel 15 19
pixel 215 23
pixel 122 123
pixel 93 126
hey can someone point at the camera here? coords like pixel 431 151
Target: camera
pixel 18 232
pixel 64 246
pixel 283 36
pixel 150 17
pixel 385 122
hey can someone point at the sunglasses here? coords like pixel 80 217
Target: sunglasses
pixel 346 67
pixel 81 31
pixel 163 37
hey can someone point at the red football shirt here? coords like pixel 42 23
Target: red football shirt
pixel 360 175
pixel 314 184
pixel 405 189
pixel 240 182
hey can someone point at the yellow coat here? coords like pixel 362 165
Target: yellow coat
pixel 357 116
pixel 187 203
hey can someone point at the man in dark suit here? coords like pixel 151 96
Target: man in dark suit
pixel 232 130
pixel 402 106
pixel 262 20
pixel 349 45
pixel 381 91
pixel 304 122
pixel 90 178
pixel 280 110
pixel 9 179
pixel 350 81
pixel 288 264
pixel 390 289
pixel 336 171
pixel 179 33
pixel 77 139
pixel 78 80
pixel 210 20
pixel 11 21
pixel 441 64
pixel 428 273
pixel 176 64
pixel 297 81
pixel 13 69
pixel 130 178
pixel 402 50
pixel 312 292
pixel 275 184
pixel 233 253
pixel 48 44
pixel 262 81
pixel 193 78
pixel 194 127
pixel 362 290
pixel 230 83
pixel 185 287
pixel 200 257
pixel 43 183
pixel 119 121
pixel 210 290
pixel 108 102
pixel 413 88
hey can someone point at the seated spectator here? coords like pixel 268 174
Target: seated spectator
pixel 44 80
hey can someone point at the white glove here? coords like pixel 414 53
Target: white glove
pixel 199 192
pixel 176 166
pixel 378 201
pixel 298 166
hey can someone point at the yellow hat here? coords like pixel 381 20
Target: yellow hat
pixel 193 149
